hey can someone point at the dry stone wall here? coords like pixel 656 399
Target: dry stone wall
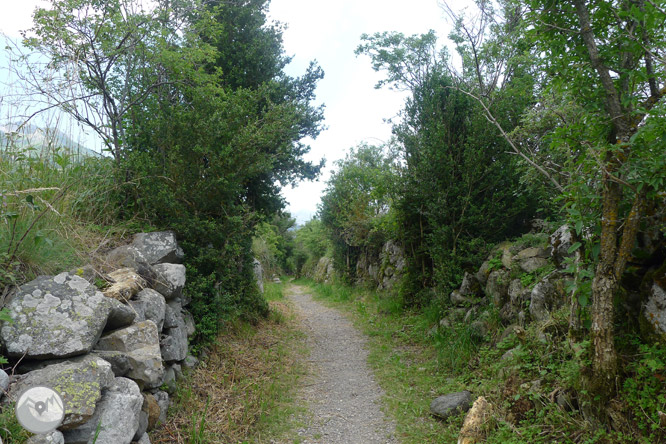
pixel 113 354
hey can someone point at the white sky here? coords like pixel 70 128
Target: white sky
pixel 329 32
pixel 326 31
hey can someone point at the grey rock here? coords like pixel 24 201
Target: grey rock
pixel 120 362
pixel 4 382
pixel 458 299
pixel 117 416
pixel 258 274
pixel 482 274
pixel 509 354
pixel 143 425
pixel 159 247
pixel 190 326
pixel 654 310
pixel 173 342
pixel 532 264
pixel 54 437
pixel 470 285
pixel 517 293
pixel 170 280
pixel 79 382
pixel 54 317
pixel 560 241
pixel 173 314
pixel 152 306
pixel 531 252
pixel 169 381
pixel 451 404
pixel 87 272
pixel 178 371
pixel 162 398
pixel 121 315
pixel 128 256
pixel 497 287
pixel 190 362
pixel 141 344
pixel 543 300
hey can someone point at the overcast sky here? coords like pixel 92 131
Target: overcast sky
pixel 328 32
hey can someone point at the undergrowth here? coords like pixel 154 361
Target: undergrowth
pixel 532 377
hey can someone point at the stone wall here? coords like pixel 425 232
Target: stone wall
pixel 113 354
pixel 382 271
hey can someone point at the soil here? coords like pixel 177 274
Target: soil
pixel 341 394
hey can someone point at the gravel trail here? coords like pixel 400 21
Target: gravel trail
pixel 341 394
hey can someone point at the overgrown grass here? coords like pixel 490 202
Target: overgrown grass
pixel 247 385
pixel 52 209
pixel 415 361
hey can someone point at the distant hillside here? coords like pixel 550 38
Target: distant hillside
pixel 43 141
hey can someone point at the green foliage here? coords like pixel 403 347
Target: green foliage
pixel 643 389
pixel 273 245
pixel 459 189
pixel 312 241
pixel 45 200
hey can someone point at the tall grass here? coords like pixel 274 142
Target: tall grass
pixel 50 202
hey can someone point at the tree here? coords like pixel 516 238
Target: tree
pixel 355 203
pixel 99 60
pixel 458 187
pixel 610 56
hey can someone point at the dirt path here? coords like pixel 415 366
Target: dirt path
pixel 342 395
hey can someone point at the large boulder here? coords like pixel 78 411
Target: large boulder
pixel 173 342
pixel 125 284
pixel 170 280
pixel 140 342
pixel 79 382
pixel 150 306
pixel 116 416
pixel 159 247
pixel 451 404
pixel 54 317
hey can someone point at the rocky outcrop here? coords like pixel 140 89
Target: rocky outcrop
pixel 100 350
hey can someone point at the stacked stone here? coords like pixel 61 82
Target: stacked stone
pixel 112 355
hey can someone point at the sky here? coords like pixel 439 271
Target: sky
pixel 328 32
